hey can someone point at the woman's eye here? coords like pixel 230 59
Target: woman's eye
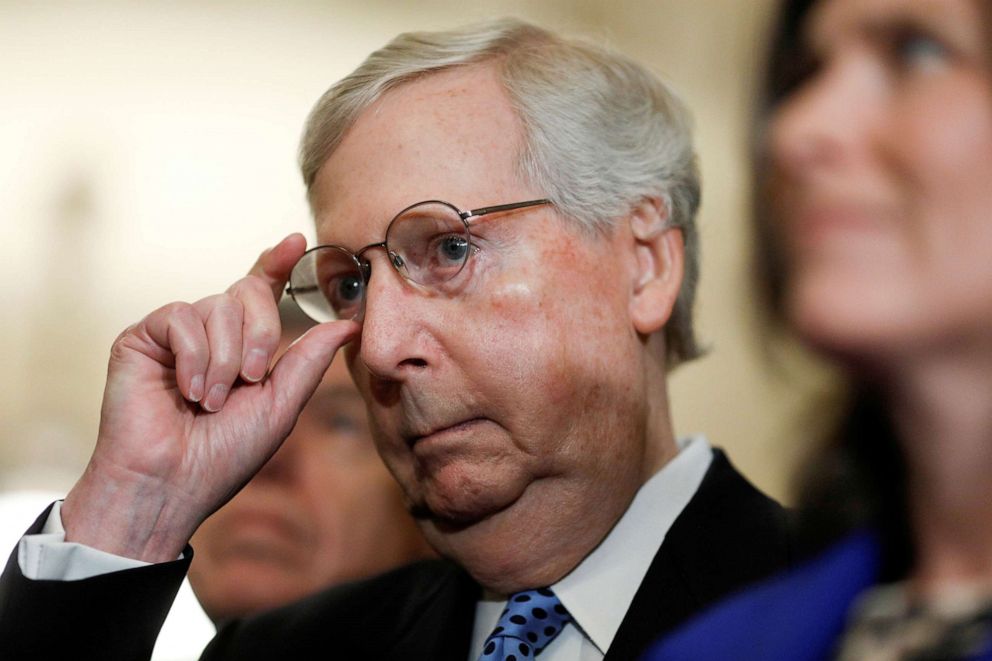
pixel 913 49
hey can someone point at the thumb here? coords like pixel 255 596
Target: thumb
pixel 298 372
pixel 274 265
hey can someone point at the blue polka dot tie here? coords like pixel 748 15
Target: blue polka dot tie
pixel 531 620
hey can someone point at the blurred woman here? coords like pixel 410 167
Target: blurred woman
pixel 875 250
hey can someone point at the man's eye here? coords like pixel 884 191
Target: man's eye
pixel 452 248
pixel 348 289
pixel 344 424
pixel 344 294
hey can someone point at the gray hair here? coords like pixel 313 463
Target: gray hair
pixel 601 133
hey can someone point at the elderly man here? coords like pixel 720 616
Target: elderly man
pixel 511 339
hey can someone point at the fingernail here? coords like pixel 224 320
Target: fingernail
pixel 216 398
pixel 255 363
pixel 196 388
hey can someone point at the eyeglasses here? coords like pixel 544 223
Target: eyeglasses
pixel 427 243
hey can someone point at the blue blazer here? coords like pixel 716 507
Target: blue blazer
pixel 799 616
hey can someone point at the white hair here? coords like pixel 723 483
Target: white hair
pixel 601 132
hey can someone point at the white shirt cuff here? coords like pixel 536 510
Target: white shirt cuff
pixel 47 556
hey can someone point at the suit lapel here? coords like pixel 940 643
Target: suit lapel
pixel 729 535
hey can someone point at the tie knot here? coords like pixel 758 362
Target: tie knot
pixel 530 621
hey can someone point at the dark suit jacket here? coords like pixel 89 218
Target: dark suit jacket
pixel 728 535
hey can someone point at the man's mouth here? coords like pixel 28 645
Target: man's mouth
pixel 444 430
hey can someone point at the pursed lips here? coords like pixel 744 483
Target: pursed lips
pixel 413 439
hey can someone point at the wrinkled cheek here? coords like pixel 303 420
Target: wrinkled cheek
pixel 528 339
pixel 403 470
pixel 515 300
pixel 395 455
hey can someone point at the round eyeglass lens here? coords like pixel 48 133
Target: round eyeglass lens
pixel 428 243
pixel 327 284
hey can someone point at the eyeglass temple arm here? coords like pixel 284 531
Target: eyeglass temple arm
pixel 482 211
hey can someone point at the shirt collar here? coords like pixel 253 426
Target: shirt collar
pixel 599 591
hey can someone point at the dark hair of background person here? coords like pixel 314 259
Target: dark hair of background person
pixel 856 477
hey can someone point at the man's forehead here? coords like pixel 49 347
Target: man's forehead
pixel 452 136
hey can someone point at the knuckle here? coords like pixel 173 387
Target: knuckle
pixel 180 314
pixel 224 362
pixel 227 304
pixel 220 307
pixel 264 332
pixel 250 285
pixel 209 304
pixel 120 344
pixel 176 309
pixel 194 352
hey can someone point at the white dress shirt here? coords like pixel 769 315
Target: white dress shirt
pixel 597 593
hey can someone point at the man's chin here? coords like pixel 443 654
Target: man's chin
pixel 456 508
pixel 487 544
pixel 449 516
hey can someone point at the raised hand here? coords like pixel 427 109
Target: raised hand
pixel 191 412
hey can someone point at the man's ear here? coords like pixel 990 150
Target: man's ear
pixel 660 258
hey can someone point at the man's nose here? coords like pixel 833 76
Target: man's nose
pixel 393 340
pixel 828 120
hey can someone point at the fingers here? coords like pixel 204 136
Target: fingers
pixel 223 317
pixel 217 339
pixel 298 372
pixel 178 328
pixel 261 327
pixel 264 284
pixel 220 338
pixel 274 265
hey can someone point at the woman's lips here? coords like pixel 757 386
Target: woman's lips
pixel 814 225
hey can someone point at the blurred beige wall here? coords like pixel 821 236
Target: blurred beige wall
pixel 147 154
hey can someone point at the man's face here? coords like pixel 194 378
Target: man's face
pixel 323 510
pixel 512 399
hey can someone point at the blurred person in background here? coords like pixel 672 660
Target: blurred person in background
pixel 323 510
pixel 874 231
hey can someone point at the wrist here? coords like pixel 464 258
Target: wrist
pixel 131 518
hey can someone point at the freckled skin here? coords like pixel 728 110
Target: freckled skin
pixel 530 374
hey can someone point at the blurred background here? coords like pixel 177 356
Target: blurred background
pixel 147 154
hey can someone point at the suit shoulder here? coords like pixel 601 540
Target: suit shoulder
pixel 729 535
pixel 729 509
pixel 364 618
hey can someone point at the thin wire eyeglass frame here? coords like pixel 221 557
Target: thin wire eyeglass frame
pixel 365 267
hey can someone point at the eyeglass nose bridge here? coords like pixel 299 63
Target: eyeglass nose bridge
pixel 394 258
